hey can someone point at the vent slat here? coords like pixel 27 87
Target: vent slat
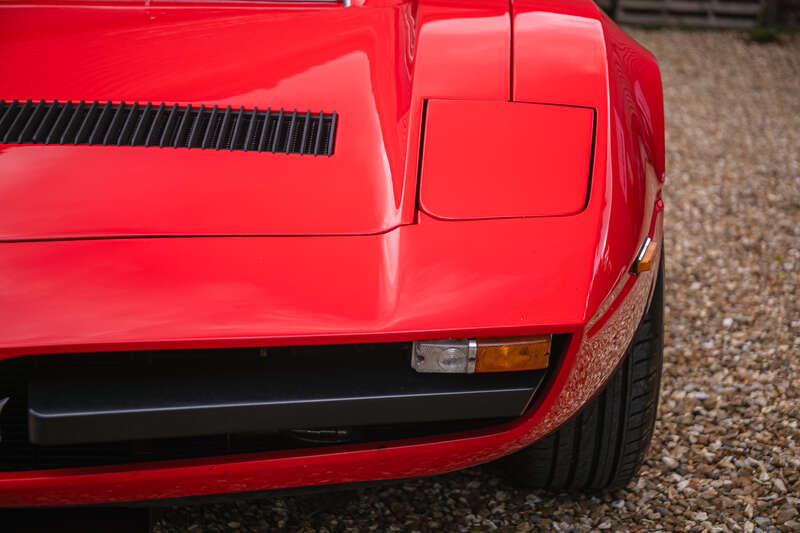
pixel 251 129
pixel 18 122
pixel 173 116
pixel 61 123
pixel 85 124
pixel 290 133
pixel 195 135
pixel 52 111
pixel 264 131
pixel 154 132
pixel 125 132
pixel 73 123
pixel 151 125
pixel 277 131
pixel 114 127
pixel 319 134
pixel 98 132
pixel 210 128
pixel 30 125
pixel 331 132
pixel 237 128
pixel 9 113
pixel 181 138
pixel 138 133
pixel 306 129
pixel 226 122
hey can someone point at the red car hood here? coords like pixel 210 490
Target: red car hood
pixel 372 64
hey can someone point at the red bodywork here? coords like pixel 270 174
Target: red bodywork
pixel 107 249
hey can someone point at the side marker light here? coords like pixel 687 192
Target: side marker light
pixel 644 259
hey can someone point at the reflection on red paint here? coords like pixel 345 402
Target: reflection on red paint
pixel 326 250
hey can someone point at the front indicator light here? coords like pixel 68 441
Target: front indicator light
pixel 644 259
pixel 508 355
pixel 467 356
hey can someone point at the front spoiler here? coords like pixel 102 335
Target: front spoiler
pixel 410 283
pixel 481 278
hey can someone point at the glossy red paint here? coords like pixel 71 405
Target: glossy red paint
pixel 502 160
pixel 589 360
pixel 376 270
pixel 416 281
pixel 569 52
pixel 373 64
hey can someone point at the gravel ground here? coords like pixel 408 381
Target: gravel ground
pixel 726 452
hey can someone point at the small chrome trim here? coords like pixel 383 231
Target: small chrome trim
pixel 472 355
pixel 643 249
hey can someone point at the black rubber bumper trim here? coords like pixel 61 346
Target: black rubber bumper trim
pixel 119 409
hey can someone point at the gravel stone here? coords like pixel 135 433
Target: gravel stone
pixel 726 451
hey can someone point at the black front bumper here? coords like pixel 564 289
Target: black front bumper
pixel 118 404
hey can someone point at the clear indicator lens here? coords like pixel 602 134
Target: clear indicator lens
pixel 450 356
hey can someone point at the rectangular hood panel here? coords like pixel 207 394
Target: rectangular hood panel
pixel 323 59
pixel 373 64
pixel 100 191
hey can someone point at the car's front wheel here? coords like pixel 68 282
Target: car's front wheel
pixel 603 446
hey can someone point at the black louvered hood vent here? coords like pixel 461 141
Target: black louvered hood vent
pixel 160 125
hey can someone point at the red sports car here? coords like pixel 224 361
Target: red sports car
pixel 253 245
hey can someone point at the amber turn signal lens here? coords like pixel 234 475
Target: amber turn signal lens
pixel 644 260
pixel 513 354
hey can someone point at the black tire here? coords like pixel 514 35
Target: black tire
pixel 602 447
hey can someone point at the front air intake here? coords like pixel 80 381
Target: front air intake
pixel 211 128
